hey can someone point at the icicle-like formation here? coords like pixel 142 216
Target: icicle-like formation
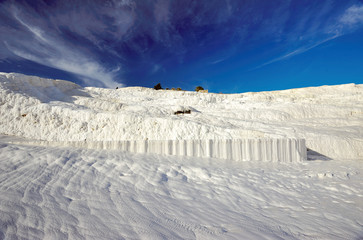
pixel 275 150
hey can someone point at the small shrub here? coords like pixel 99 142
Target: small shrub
pixel 178 89
pixel 197 89
pixel 158 86
pixel 188 111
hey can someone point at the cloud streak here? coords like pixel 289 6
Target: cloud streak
pixel 44 43
pixel 296 52
pixel 343 24
pixel 353 15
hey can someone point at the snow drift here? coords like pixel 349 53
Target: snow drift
pixel 329 117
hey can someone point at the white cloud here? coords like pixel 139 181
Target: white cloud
pixel 353 15
pixel 38 46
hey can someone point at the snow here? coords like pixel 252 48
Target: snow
pixel 60 177
pixel 68 193
pixel 329 118
pixel 275 150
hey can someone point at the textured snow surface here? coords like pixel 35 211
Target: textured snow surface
pixel 329 118
pixel 68 193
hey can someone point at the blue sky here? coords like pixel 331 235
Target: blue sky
pixel 223 45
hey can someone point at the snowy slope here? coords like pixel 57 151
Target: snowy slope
pixel 52 192
pixel 330 118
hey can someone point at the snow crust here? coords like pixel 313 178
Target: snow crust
pixel 329 118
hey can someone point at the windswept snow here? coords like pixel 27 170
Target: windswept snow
pixel 52 192
pixel 67 193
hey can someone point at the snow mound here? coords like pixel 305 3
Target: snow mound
pixel 329 117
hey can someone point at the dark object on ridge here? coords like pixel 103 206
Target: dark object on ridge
pixel 197 89
pixel 182 112
pixel 158 86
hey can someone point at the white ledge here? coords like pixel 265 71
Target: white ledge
pixel 274 150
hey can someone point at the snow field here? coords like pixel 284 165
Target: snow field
pixel 329 118
pixel 68 193
pixel 59 189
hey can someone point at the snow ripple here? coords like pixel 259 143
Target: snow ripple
pixel 65 193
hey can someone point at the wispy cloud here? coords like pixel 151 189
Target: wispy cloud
pixel 41 41
pixel 218 61
pixel 53 53
pixel 101 41
pixel 353 15
pixel 161 11
pixel 317 35
pixel 94 38
pixel 296 52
